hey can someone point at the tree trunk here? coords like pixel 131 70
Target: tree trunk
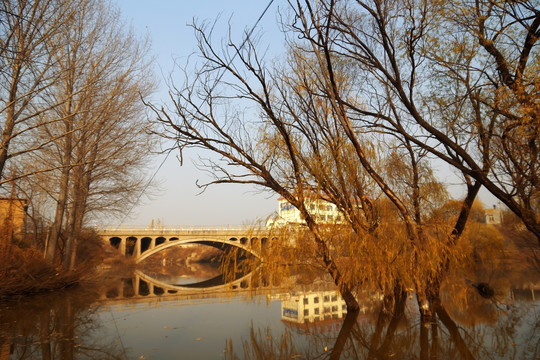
pixel 10 120
pixel 63 190
pixel 59 216
pixel 72 228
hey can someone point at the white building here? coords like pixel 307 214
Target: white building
pixel 323 212
pixel 493 216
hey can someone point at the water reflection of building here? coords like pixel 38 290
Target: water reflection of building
pixel 313 307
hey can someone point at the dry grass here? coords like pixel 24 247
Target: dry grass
pixel 25 272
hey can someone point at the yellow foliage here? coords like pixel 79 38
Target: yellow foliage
pixel 485 237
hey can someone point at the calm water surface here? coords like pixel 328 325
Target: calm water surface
pixel 174 317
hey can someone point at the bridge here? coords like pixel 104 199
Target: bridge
pixel 140 241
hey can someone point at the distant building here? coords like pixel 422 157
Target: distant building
pixel 12 215
pixel 323 212
pixel 493 216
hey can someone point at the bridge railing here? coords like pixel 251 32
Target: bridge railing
pixel 177 228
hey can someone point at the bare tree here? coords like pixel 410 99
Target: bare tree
pixel 97 143
pixel 27 70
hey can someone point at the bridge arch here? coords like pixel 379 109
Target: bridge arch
pixel 146 243
pixel 131 246
pixel 217 242
pixel 115 241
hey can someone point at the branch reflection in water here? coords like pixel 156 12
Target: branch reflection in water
pixel 396 331
pixel 302 317
pixel 55 326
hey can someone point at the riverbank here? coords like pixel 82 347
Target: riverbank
pixel 24 272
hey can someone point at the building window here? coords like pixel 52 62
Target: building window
pixel 316 300
pixel 306 301
pixel 334 297
pixel 306 312
pixel 334 308
pixel 326 298
pixel 316 311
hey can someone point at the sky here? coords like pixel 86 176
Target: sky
pixel 180 201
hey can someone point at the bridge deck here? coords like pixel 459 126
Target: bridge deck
pixel 178 229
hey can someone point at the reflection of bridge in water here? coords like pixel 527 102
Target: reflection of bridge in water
pixel 319 294
pixel 143 288
pixel 141 242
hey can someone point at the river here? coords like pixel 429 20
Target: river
pixel 173 316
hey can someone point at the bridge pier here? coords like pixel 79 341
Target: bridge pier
pixel 138 248
pixel 122 246
pixel 136 281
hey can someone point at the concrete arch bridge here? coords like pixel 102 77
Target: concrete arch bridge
pixel 141 242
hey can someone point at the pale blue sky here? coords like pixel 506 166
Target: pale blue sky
pixel 165 21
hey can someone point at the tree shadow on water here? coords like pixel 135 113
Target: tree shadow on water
pixel 395 331
pixel 54 326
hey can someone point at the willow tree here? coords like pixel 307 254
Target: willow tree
pixel 301 144
pixel 370 94
pixel 462 76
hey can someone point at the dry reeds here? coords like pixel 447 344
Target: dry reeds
pixel 25 272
